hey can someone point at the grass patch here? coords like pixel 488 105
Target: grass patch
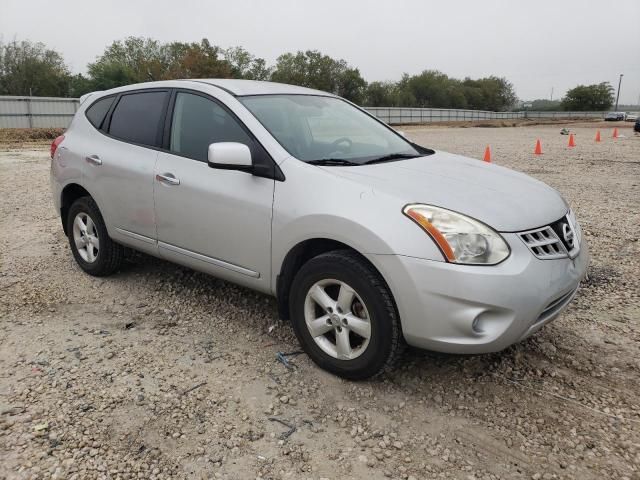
pixel 22 135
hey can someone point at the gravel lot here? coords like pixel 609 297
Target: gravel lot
pixel 161 372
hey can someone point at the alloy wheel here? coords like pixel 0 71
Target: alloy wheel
pixel 337 319
pixel 85 236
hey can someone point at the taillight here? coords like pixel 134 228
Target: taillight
pixel 54 145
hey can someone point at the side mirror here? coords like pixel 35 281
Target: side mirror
pixel 230 156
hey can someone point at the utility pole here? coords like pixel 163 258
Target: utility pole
pixel 618 94
pixel 551 94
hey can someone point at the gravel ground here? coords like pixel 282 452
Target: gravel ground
pixel 161 372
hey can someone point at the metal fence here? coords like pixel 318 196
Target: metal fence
pixel 37 112
pixel 404 116
pixel 48 112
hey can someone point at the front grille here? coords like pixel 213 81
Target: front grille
pixel 555 306
pixel 560 239
pixel 544 243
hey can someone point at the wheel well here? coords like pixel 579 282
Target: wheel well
pixel 294 260
pixel 70 194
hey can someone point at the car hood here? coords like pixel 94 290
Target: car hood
pixel 506 200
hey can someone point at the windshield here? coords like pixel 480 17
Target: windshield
pixel 320 129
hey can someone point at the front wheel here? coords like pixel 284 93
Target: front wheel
pixel 344 316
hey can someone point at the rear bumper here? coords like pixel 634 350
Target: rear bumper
pixel 479 309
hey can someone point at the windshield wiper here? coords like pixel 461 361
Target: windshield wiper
pixel 391 156
pixel 333 162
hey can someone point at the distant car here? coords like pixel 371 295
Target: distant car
pixel 631 117
pixel 615 116
pixel 636 127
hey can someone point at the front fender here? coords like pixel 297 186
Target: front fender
pixel 314 203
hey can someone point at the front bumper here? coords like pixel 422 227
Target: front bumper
pixel 479 309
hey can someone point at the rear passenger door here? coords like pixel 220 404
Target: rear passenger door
pixel 215 220
pixel 119 169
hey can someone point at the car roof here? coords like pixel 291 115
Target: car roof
pixel 232 86
pixel 257 87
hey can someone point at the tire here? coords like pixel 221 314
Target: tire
pixel 351 356
pixel 97 255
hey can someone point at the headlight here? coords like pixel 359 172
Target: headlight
pixel 461 239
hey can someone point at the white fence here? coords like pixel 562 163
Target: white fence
pixel 404 116
pixel 37 112
pixel 48 112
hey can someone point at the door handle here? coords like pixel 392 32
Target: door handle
pixel 168 178
pixel 93 159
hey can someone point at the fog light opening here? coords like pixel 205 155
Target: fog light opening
pixel 475 325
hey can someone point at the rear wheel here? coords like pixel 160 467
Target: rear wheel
pixel 92 248
pixel 344 317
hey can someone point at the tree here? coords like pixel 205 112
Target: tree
pixel 589 97
pixel 430 88
pixel 351 85
pixel 195 60
pixel 28 68
pixel 404 97
pixel 129 61
pixel 79 85
pixel 246 66
pixel 137 59
pixel 381 94
pixel 490 93
pixel 314 70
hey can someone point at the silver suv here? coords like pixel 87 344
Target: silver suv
pixel 367 240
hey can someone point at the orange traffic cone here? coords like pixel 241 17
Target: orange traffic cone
pixel 615 133
pixel 487 154
pixel 538 150
pixel 597 136
pixel 572 142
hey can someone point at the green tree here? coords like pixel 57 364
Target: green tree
pixel 195 60
pixel 28 68
pixel 430 89
pixel 351 85
pixel 314 70
pixel 79 85
pixel 490 93
pixel 127 61
pixel 137 59
pixel 381 94
pixel 404 96
pixel 589 97
pixel 246 66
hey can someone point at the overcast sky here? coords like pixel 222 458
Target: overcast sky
pixel 537 44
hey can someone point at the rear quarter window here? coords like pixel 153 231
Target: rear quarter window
pixel 137 118
pixel 96 112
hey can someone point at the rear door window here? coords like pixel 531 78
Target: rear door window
pixel 96 112
pixel 137 118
